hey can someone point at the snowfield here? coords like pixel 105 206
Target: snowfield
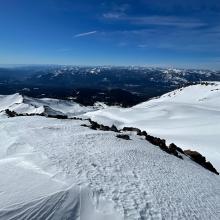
pixel 26 105
pixel 53 169
pixel 189 117
pixel 56 169
pixel 35 183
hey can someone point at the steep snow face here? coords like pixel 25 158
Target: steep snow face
pixel 23 104
pixel 189 117
pixel 57 169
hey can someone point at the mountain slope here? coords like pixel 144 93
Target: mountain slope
pixel 26 105
pixel 189 117
pixel 66 171
pixel 58 169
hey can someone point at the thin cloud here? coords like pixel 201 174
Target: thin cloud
pixel 166 21
pixel 112 15
pixel 171 21
pixel 142 45
pixel 85 34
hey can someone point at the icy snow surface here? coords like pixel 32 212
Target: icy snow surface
pixel 57 169
pixel 189 117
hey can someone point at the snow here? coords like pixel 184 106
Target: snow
pixel 189 117
pixel 57 169
pixel 32 185
pixel 49 166
pixel 23 104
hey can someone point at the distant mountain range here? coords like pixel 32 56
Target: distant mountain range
pixel 124 86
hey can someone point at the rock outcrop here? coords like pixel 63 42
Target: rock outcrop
pixel 198 158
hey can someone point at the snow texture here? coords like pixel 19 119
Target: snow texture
pixel 57 169
pixel 22 104
pixel 189 117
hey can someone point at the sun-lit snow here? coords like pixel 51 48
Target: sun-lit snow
pixel 57 169
pixel 189 117
pixel 34 184
pixel 23 104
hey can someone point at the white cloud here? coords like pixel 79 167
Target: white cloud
pixel 155 20
pixel 85 34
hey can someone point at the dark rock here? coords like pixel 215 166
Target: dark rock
pixel 156 141
pixel 198 158
pixel 94 125
pixel 105 128
pixel 123 136
pixel 58 116
pixel 173 146
pixel 75 118
pixel 10 113
pixel 114 128
pixel 84 125
pixel 173 150
pixel 142 133
pixel 131 129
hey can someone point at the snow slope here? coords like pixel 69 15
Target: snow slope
pixel 34 186
pixel 189 117
pixel 57 169
pixel 23 104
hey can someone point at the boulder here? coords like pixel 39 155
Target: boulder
pixel 173 146
pixel 132 129
pixel 198 158
pixel 123 136
pixel 114 128
pixel 10 113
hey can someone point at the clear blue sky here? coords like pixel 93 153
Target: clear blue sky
pixel 182 33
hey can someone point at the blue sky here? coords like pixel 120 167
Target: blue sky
pixel 99 32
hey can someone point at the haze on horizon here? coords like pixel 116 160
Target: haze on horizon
pixel 144 32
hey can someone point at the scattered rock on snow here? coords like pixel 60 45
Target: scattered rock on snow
pixel 198 158
pixel 123 136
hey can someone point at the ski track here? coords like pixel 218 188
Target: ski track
pixel 142 181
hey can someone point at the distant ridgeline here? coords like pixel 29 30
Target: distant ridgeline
pixel 125 86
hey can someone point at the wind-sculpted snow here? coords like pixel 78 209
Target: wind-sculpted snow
pixel 57 169
pixel 72 203
pixel 26 105
pixel 189 117
pixel 34 187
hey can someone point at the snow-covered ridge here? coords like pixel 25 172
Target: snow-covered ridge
pixel 172 149
pixel 206 93
pixel 26 105
pixel 188 117
pixel 59 169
